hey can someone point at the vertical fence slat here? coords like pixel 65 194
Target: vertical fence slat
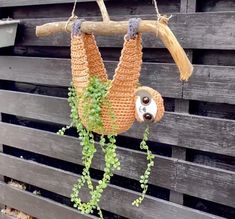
pixel 1 177
pixel 182 106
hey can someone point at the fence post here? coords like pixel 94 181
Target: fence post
pixel 182 106
pixel 1 177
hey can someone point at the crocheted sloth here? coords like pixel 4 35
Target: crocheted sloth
pixel 127 101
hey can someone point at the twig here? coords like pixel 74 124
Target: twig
pixel 103 10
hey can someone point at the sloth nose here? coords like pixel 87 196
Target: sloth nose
pixel 142 109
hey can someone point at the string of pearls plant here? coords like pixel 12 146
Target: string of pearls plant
pixel 92 99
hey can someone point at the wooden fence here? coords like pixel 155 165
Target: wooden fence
pixel 194 173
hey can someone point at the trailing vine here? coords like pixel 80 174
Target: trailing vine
pixel 145 177
pixel 92 99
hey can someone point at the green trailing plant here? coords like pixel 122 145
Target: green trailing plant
pixel 145 177
pixel 92 99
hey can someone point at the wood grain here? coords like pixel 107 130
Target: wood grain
pixel 60 181
pixel 1 176
pixel 216 135
pixel 198 31
pixel 68 149
pixel 56 72
pixel 6 3
pixel 115 8
pixel 171 173
pixel 211 83
pixel 37 206
pixel 208 83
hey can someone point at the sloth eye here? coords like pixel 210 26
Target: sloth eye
pixel 148 116
pixel 145 100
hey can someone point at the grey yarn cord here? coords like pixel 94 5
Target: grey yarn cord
pixel 76 29
pixel 133 27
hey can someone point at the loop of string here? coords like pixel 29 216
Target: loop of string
pixel 72 17
pixel 160 18
pixel 157 11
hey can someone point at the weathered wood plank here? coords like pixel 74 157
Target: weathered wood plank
pixel 181 106
pixel 68 149
pixel 191 7
pixel 1 176
pixel 91 9
pixel 208 83
pixel 6 3
pixel 35 109
pixel 60 182
pixel 177 197
pixel 37 206
pixel 201 133
pixel 200 179
pixel 164 174
pixel 47 71
pixel 183 6
pixel 213 83
pixel 196 30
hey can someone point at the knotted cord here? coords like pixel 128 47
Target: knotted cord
pixel 72 17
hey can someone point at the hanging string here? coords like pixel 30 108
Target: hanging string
pixel 157 11
pixel 72 17
pixel 159 16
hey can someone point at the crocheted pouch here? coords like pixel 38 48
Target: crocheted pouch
pixel 86 61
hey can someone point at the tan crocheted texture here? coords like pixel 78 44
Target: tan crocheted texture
pixel 157 99
pixel 118 111
pixel 86 61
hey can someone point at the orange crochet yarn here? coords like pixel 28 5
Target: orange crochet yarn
pixel 123 101
pixel 87 62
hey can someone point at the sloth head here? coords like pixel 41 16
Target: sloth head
pixel 149 106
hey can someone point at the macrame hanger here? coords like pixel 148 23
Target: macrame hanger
pixel 72 17
pixel 133 27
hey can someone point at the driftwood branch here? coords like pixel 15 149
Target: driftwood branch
pixel 103 10
pixel 107 27
pixel 96 27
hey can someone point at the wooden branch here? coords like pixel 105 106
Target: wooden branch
pixel 103 10
pixel 96 27
pixel 159 28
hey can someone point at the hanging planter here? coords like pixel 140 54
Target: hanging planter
pixel 8 30
pixel 110 107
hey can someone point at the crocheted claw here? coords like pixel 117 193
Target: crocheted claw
pixel 79 63
pixel 86 59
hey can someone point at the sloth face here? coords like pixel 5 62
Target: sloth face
pixel 148 105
